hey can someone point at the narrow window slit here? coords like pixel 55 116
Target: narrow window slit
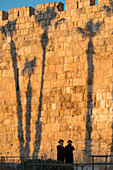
pixel 18 14
pixel 77 4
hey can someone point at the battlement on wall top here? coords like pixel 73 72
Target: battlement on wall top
pixel 50 7
pixel 76 4
pixel 3 15
pixel 15 13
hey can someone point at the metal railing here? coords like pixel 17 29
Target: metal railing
pixel 76 166
pixel 20 162
pixel 13 162
pixel 101 156
pixel 59 166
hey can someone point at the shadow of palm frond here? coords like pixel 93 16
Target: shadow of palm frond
pixel 6 30
pixel 44 42
pixel 109 9
pixel 28 68
pixel 89 31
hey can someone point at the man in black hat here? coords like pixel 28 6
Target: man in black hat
pixel 60 151
pixel 69 152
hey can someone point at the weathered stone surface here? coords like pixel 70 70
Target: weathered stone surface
pixel 56 79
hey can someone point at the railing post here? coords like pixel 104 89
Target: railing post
pixel 41 162
pixel 106 162
pixel 58 167
pixel 82 167
pixel 76 167
pixel 34 167
pixel 22 163
pixel 92 162
pixel 3 163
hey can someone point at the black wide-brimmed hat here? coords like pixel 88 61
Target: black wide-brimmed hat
pixel 70 141
pixel 61 140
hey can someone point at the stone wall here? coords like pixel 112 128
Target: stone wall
pixel 56 79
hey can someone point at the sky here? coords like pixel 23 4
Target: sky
pixel 8 4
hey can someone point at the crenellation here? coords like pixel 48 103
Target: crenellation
pixel 49 7
pixel 3 15
pixel 77 4
pixel 21 12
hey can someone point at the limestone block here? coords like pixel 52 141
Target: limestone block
pixel 81 4
pixel 59 68
pixel 99 96
pixel 108 95
pixel 80 82
pixel 68 90
pixel 89 9
pixel 61 113
pixel 86 3
pixel 61 76
pixel 68 59
pixel 61 53
pixel 7 122
pixel 44 120
pixel 55 128
pixel 108 103
pixel 53 106
pixel 52 68
pixel 77 97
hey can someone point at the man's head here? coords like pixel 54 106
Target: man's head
pixel 61 141
pixel 69 142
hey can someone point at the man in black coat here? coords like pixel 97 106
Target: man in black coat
pixel 69 152
pixel 60 151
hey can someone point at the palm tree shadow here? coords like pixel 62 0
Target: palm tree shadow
pixel 111 158
pixel 29 68
pixel 89 31
pixel 109 11
pixel 44 42
pixel 6 31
